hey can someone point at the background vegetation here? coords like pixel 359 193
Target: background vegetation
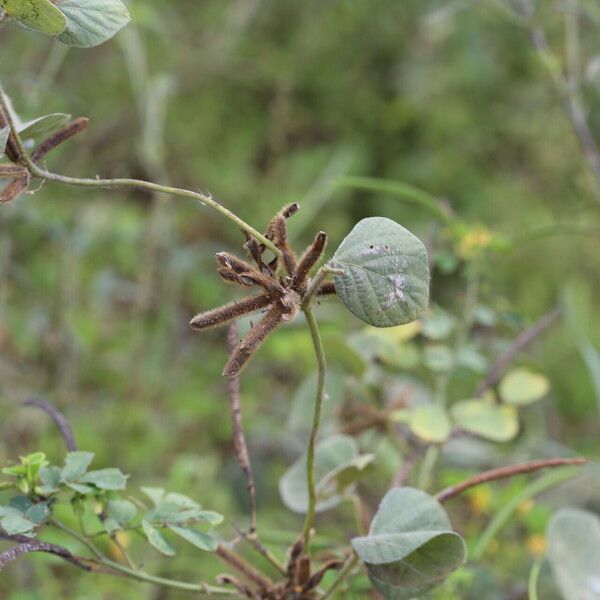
pixel 263 103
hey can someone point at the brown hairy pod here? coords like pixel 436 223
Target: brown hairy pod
pixel 224 314
pixel 326 288
pixel 14 188
pixel 62 135
pixel 310 257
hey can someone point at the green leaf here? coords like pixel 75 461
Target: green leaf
pixel 3 140
pixel 91 22
pixel 437 324
pixel 14 522
pixel 337 467
pixel 38 513
pixel 42 127
pixel 106 479
pixel 431 423
pixel 439 358
pixel 81 488
pixel 521 386
pixel 157 539
pixel 76 464
pixel 156 495
pixel 386 273
pixel 40 15
pixel 50 480
pixel 209 516
pixel 201 540
pixel 490 421
pixel 411 546
pixel 573 551
pixel 121 511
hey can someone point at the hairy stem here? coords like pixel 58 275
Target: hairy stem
pixel 310 453
pixel 98 183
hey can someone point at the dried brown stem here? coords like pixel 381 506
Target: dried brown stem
pixel 239 438
pixel 59 420
pixel 505 472
pixel 243 567
pixel 521 342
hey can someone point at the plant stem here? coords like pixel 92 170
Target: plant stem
pixel 506 472
pixel 342 575
pixel 310 453
pixel 98 183
pixel 504 515
pixel 429 462
pixel 534 575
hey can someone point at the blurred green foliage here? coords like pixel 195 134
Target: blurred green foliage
pixel 269 102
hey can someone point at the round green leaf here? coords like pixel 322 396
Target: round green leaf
pixel 430 423
pixel 42 127
pixel 385 278
pixel 106 479
pixel 521 386
pixel 411 546
pixel 91 22
pixel 40 15
pixel 573 551
pixel 490 421
pixel 338 465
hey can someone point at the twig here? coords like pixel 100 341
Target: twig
pixel 204 199
pixel 59 420
pixel 239 438
pixel 505 472
pixel 243 567
pixel 27 545
pixel 521 342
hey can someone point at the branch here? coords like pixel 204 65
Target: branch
pixel 521 342
pixel 204 199
pixel 243 567
pixel 59 420
pixel 239 438
pixel 505 472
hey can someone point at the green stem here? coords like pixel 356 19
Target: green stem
pixel 310 453
pixel 534 575
pixel 342 575
pixel 429 462
pixel 141 575
pixel 98 183
pixel 504 515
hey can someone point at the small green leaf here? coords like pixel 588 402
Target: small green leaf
pixel 385 278
pixel 209 516
pixel 106 479
pixel 81 488
pixel 91 22
pixel 42 127
pixel 50 480
pixel 3 140
pixel 411 546
pixel 201 540
pixel 490 421
pixel 439 358
pixel 337 467
pixel 156 495
pixel 157 539
pixel 437 324
pixel 521 386
pixel 76 464
pixel 40 15
pixel 38 513
pixel 431 423
pixel 14 522
pixel 573 551
pixel 122 511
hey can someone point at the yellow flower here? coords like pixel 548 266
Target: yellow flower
pixel 536 544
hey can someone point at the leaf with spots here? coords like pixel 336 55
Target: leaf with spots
pixel 39 15
pixel 385 279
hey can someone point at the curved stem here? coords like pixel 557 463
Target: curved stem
pixel 534 575
pixel 342 576
pixel 310 453
pixel 125 183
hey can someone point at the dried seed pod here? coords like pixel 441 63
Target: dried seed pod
pixel 326 288
pixel 230 277
pixel 315 580
pixel 280 237
pixel 14 188
pixel 12 150
pixel 230 261
pixel 224 314
pixel 239 358
pixel 62 135
pixel 269 284
pixel 309 259
pixel 12 171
